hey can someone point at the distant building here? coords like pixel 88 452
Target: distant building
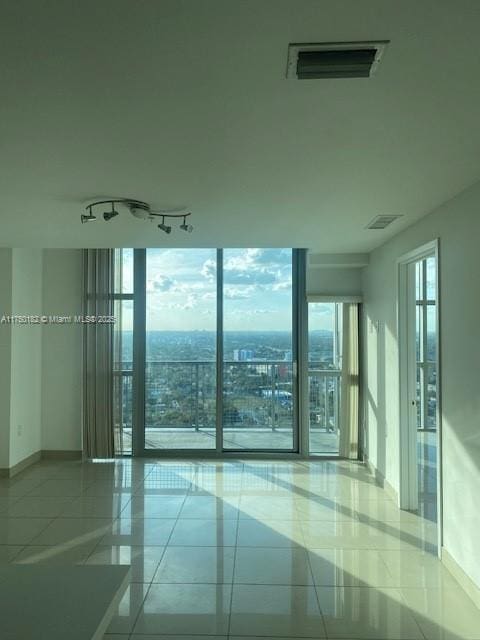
pixel 243 355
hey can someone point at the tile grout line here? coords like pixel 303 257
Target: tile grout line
pixel 151 582
pixel 307 551
pixel 143 546
pixel 405 603
pixel 233 570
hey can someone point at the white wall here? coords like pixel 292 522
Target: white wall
pixel 40 364
pixel 62 351
pixel 26 356
pixel 334 281
pixel 457 225
pixel 5 354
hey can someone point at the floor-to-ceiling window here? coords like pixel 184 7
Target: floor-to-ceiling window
pixel 216 332
pixel 180 349
pixel 258 394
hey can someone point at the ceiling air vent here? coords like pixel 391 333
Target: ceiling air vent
pixel 334 60
pixel 380 222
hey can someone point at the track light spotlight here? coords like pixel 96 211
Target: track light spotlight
pixel 108 215
pixel 164 227
pixel 88 218
pixel 186 227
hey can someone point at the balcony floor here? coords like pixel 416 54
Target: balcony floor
pixel 235 439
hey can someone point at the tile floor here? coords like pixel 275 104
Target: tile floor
pixel 240 550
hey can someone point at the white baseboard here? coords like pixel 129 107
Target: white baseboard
pixel 380 478
pixel 20 466
pixel 55 454
pixel 461 577
pixel 468 585
pixel 60 454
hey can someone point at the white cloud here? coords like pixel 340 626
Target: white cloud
pixel 251 312
pixel 161 283
pixel 250 277
pixel 209 269
pixel 282 285
pixel 189 304
pixel 237 293
pixel 256 266
pixel 272 257
pixel 182 288
pixel 321 308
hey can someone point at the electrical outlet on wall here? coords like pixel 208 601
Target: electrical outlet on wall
pixel 19 429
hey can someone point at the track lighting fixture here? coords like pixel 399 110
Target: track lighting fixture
pixel 164 227
pixel 138 209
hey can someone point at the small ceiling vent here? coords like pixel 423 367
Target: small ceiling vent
pixel 380 222
pixel 334 60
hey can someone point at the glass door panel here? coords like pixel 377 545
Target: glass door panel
pixel 324 376
pixel 426 396
pixel 180 349
pixel 258 390
pixel 123 375
pixel 123 351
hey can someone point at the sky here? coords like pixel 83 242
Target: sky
pixel 430 278
pixel 181 290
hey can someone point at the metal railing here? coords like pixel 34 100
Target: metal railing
pixel 324 399
pixel 181 395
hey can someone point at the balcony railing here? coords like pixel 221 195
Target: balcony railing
pixel 256 395
pixel 324 398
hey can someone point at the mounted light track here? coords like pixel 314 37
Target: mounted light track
pixel 138 209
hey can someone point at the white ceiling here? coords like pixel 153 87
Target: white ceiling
pixel 185 102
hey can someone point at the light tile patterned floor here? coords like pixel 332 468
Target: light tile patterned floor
pixel 240 549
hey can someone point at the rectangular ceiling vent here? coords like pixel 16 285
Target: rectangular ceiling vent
pixel 380 222
pixel 334 60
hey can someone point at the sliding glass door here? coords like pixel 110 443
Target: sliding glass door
pixel 426 385
pixel 324 376
pixel 214 351
pixel 123 352
pixel 258 390
pixel 180 349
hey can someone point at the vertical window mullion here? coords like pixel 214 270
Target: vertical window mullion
pixel 300 387
pixel 219 354
pixel 139 329
pixel 424 347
